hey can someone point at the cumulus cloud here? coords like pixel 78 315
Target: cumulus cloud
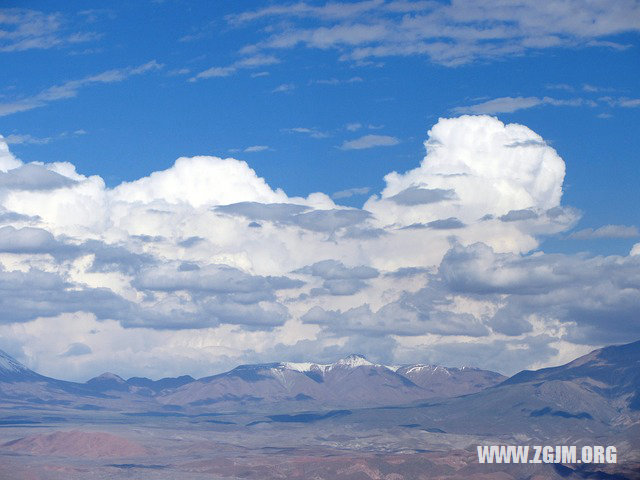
pixel 446 224
pixel 190 179
pixel 474 159
pixel 207 264
pixel 212 279
pixel 331 220
pixel 35 293
pixel 275 212
pixel 7 160
pixel 27 240
pixel 517 215
pixel 339 279
pixel 420 196
pixel 595 296
pixel 33 177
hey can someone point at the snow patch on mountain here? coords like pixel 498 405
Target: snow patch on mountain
pixel 300 367
pixel 352 361
pixel 430 368
pixel 9 365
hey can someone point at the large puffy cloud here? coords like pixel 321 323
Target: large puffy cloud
pixel 27 240
pixel 339 279
pixel 36 293
pixel 201 181
pixel 209 257
pixel 7 160
pixel 33 177
pixel 591 297
pixel 475 166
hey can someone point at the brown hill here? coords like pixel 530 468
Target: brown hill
pixel 77 443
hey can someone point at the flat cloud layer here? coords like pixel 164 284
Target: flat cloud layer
pixel 449 33
pixel 205 265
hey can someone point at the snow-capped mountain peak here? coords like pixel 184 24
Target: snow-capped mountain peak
pixel 299 367
pixel 353 361
pixel 9 365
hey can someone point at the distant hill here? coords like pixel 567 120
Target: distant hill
pixel 350 382
pixel 594 396
pixel 613 372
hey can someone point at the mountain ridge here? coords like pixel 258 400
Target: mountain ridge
pixel 611 372
pixel 350 381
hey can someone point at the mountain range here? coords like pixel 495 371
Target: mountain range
pixel 350 382
pixel 352 419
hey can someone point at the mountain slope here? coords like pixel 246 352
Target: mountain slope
pixel 13 371
pixel 20 385
pixel 450 382
pixel 589 399
pixel 613 372
pixel 350 382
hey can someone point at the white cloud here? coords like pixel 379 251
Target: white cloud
pixel 192 180
pixel 7 160
pixel 560 86
pixel 488 167
pixel 312 132
pixel 369 141
pixel 254 61
pixel 23 29
pixel 18 139
pixel 256 148
pixel 205 265
pixel 629 102
pixel 71 88
pixel 500 105
pixel 607 231
pixel 335 81
pixel 179 71
pixel 513 104
pixel 350 192
pixel 449 33
pixel 284 87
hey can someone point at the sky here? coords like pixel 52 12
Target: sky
pixel 189 186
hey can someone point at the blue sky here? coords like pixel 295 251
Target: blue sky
pixel 314 97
